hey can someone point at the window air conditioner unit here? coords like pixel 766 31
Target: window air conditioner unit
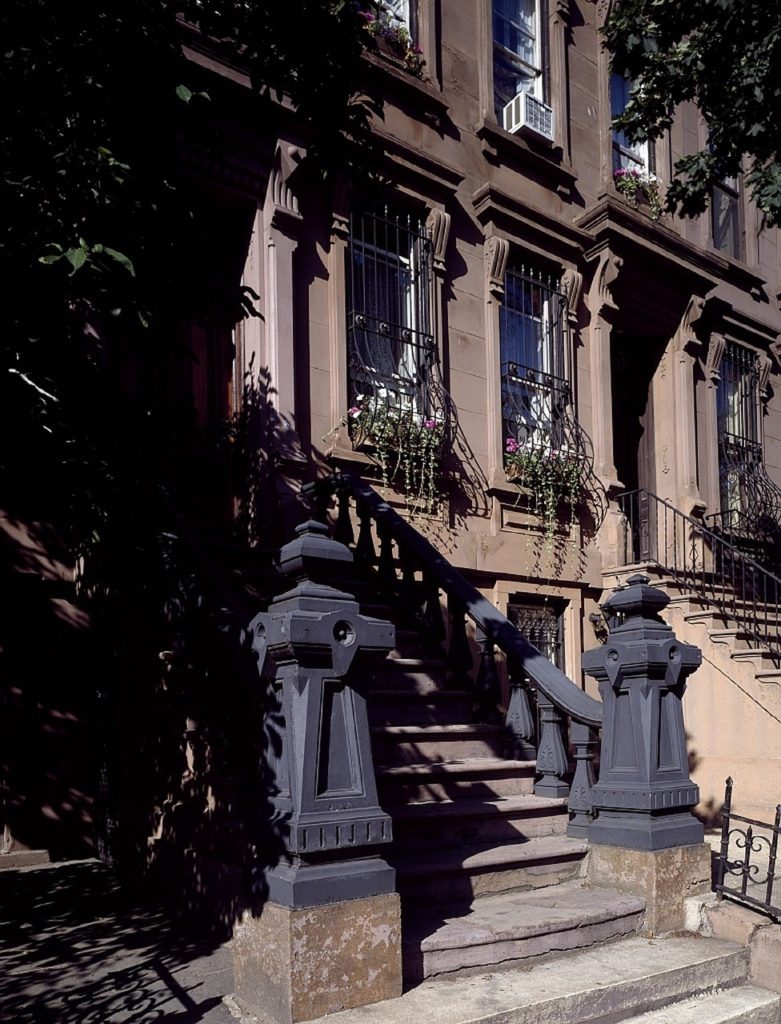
pixel 525 111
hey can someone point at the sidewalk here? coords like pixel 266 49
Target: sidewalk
pixel 76 949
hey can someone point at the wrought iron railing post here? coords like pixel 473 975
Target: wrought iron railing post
pixel 724 833
pixel 459 653
pixel 771 867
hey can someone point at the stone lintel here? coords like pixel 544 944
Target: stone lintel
pixel 663 878
pixel 298 885
pixel 296 965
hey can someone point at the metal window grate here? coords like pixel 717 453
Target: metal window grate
pixel 542 625
pixel 740 449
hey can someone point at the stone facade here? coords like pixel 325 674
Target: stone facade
pixel 649 307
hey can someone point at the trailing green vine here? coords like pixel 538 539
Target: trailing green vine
pixel 552 476
pixel 407 447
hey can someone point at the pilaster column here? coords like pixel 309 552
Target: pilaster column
pixel 281 224
pixel 603 308
pixel 496 253
pixel 686 345
pixel 710 449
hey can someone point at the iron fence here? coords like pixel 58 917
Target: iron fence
pixel 750 855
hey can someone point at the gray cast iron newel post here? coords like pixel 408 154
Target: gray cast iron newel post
pixel 644 796
pixel 318 743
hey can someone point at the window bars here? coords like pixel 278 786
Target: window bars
pixel 399 409
pixel 542 625
pixel 750 501
pixel 751 855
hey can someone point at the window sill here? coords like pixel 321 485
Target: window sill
pixel 421 89
pixel 530 149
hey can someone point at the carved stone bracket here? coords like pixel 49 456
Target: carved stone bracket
pixel 572 286
pixel 438 224
pixel 497 252
pixel 687 337
pixel 601 296
pixel 764 366
pixel 561 11
pixel 281 200
pixel 716 349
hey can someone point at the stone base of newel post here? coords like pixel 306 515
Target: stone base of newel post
pixel 663 878
pixel 294 965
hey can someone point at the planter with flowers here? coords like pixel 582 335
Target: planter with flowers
pixel 552 477
pixel 394 40
pixel 407 446
pixel 640 188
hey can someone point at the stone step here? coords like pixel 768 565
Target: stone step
pixel 420 675
pixel 450 875
pixel 472 778
pixel 742 1005
pixel 760 658
pixel 405 707
pixel 610 983
pixel 458 822
pixel 515 927
pixel 412 744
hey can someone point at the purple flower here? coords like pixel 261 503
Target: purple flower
pixel 511 445
pixel 429 424
pixel 354 411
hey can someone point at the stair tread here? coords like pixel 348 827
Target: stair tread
pixel 473 808
pixel 462 766
pixel 720 1007
pixel 516 915
pixel 472 858
pixel 613 981
pixel 425 696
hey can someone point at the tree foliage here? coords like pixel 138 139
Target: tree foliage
pixel 104 250
pixel 725 55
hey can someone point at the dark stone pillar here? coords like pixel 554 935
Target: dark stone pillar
pixel 318 742
pixel 644 796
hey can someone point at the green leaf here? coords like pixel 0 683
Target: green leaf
pixel 184 93
pixel 120 258
pixel 52 258
pixel 76 257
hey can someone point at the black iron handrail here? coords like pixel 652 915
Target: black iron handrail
pixel 716 571
pixel 544 676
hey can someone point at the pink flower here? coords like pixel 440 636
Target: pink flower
pixel 354 411
pixel 429 424
pixel 511 445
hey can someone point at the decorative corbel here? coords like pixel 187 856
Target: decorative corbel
pixel 497 252
pixel 687 337
pixel 438 224
pixel 764 366
pixel 775 351
pixel 601 296
pixel 282 202
pixel 561 11
pixel 572 286
pixel 716 349
pixel 604 8
pixel 340 221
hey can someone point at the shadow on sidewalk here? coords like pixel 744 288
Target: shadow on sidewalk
pixel 78 948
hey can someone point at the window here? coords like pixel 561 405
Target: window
pixel 518 56
pixel 542 623
pixel 740 447
pixel 535 393
pixel 391 347
pixel 627 156
pixel 399 13
pixel 725 218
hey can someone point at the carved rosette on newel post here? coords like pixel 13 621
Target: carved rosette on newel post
pixel 644 796
pixel 326 933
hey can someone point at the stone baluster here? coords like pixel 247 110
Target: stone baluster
pixel 387 564
pixel 459 653
pixel 344 525
pixel 520 717
pixel 580 806
pixel 488 688
pixel 551 755
pixel 364 549
pixel 432 626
